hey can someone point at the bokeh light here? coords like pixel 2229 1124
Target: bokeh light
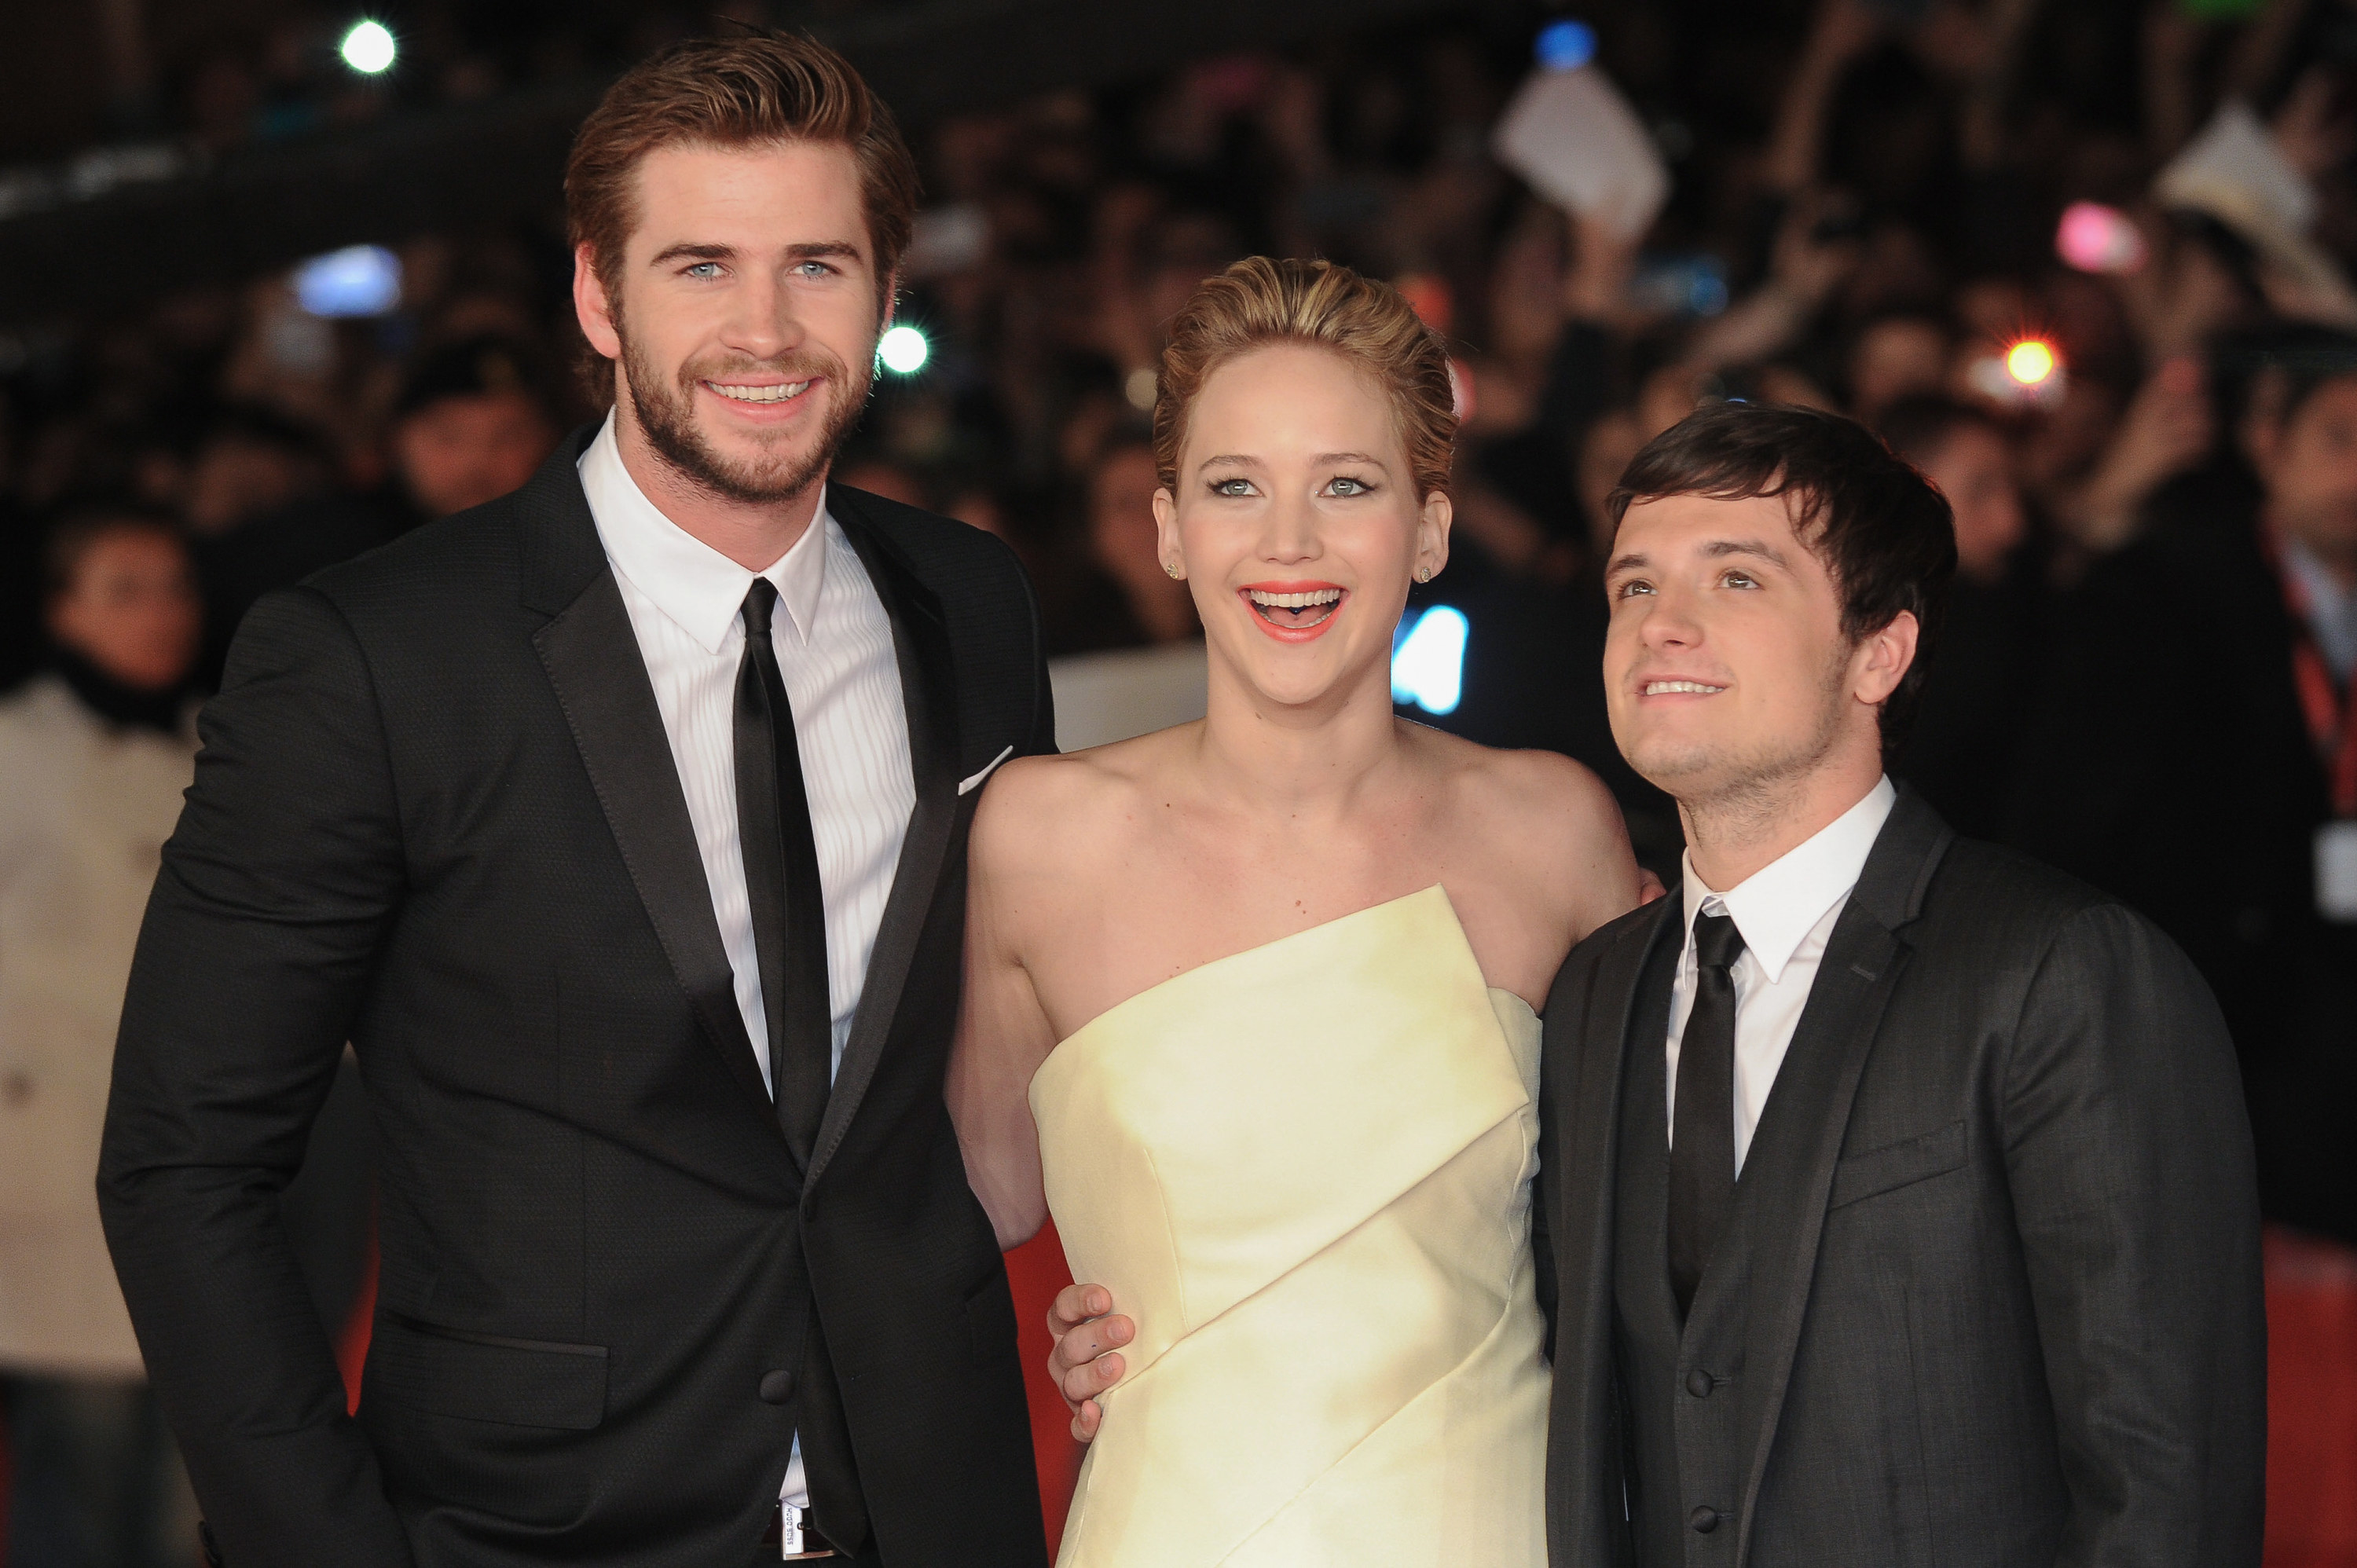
pixel 2030 361
pixel 903 350
pixel 368 49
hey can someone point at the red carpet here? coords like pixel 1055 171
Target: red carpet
pixel 2312 1402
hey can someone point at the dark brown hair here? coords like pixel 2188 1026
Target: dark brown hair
pixel 766 87
pixel 1882 529
pixel 1259 302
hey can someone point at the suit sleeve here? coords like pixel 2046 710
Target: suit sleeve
pixel 275 892
pixel 2130 1159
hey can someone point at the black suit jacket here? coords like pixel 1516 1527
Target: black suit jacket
pixel 436 814
pixel 2003 1300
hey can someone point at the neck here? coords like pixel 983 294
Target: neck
pixel 1733 835
pixel 1310 760
pixel 754 534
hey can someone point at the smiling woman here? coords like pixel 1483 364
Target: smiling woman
pixel 1249 1003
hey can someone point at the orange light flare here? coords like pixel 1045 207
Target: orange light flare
pixel 2031 362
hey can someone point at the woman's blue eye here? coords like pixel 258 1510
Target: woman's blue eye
pixel 1232 487
pixel 1343 484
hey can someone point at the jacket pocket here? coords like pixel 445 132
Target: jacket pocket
pixel 1895 1165
pixel 487 1377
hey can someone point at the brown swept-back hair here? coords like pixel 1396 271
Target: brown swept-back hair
pixel 1883 530
pixel 764 87
pixel 1259 302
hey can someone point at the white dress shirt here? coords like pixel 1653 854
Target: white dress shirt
pixel 834 648
pixel 1785 911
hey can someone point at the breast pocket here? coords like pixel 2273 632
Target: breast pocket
pixel 1894 1166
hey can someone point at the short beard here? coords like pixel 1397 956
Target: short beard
pixel 1746 795
pixel 665 413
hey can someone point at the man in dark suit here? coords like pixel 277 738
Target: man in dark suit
pixel 1896 1191
pixel 620 825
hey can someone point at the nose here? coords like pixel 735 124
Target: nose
pixel 1668 622
pixel 761 322
pixel 1289 532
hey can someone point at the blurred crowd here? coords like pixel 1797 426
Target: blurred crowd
pixel 1891 209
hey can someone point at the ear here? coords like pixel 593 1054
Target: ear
pixel 1432 536
pixel 1883 658
pixel 1167 547
pixel 591 308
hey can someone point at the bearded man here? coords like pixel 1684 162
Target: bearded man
pixel 619 824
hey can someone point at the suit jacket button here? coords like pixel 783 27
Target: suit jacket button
pixel 1699 1383
pixel 1704 1520
pixel 777 1387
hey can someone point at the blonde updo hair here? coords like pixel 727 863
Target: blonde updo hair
pixel 1259 302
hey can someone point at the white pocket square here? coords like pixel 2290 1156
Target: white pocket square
pixel 968 786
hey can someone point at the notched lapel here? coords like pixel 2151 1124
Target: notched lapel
pixel 929 691
pixel 592 658
pixel 1787 1182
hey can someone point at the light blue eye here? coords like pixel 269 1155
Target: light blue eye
pixel 705 270
pixel 1232 488
pixel 1344 484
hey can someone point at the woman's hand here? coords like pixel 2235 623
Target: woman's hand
pixel 1083 1362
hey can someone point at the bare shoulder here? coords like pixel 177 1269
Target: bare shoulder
pixel 1542 793
pixel 1543 823
pixel 1044 814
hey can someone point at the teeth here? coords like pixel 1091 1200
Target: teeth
pixel 1295 601
pixel 1657 688
pixel 760 395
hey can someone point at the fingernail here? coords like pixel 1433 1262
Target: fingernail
pixel 1097 1303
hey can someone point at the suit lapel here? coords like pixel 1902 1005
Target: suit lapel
pixel 1592 1059
pixel 928 690
pixel 1789 1174
pixel 591 654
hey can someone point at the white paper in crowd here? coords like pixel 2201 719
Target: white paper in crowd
pixel 1573 136
pixel 2336 871
pixel 2234 169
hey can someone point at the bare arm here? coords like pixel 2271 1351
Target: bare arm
pixel 1003 1033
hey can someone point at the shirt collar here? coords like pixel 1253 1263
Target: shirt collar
pixel 1777 905
pixel 699 589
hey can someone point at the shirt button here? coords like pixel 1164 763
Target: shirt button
pixel 777 1387
pixel 1699 1383
pixel 1705 1520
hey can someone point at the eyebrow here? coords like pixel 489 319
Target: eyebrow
pixel 1323 457
pixel 808 250
pixel 1717 549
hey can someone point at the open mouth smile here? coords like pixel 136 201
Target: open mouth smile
pixel 1678 689
pixel 1293 612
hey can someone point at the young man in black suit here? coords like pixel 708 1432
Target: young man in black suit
pixel 619 824
pixel 1898 1191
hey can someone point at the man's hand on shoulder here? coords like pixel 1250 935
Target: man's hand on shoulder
pixel 1084 1361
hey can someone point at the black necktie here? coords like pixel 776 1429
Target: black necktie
pixel 781 883
pixel 1702 1152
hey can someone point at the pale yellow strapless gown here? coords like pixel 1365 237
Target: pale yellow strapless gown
pixel 1306 1172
